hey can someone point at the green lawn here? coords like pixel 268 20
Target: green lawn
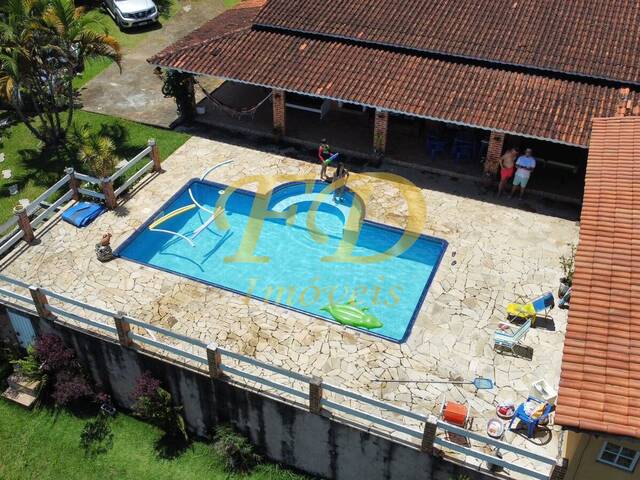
pixel 45 445
pixel 127 38
pixel 34 171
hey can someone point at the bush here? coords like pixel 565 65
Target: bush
pixel 236 451
pixel 179 86
pixel 49 360
pixel 29 366
pixel 69 386
pixel 96 436
pixel 53 355
pixel 154 403
pixel 567 263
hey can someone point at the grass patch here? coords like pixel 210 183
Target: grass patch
pixel 128 38
pixel 46 444
pixel 34 170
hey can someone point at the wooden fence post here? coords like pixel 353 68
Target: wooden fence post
pixel 315 395
pixel 109 195
pixel 123 328
pixel 429 435
pixel 214 360
pixel 74 184
pixel 40 301
pixel 155 156
pixel 559 469
pixel 23 222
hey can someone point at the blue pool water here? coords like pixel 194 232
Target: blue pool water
pixel 294 260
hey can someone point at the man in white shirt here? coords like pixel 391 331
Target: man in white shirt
pixel 524 166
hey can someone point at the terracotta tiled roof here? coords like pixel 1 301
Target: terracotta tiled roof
pixel 230 21
pixel 600 379
pixel 489 98
pixel 595 38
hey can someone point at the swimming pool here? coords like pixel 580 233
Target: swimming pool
pixel 294 260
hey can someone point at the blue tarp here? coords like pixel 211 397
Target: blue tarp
pixel 82 214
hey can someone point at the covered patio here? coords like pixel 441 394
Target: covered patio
pixel 350 129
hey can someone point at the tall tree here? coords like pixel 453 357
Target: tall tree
pixel 42 44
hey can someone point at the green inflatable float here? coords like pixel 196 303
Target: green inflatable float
pixel 352 315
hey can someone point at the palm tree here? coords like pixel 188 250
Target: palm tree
pixel 96 152
pixel 42 45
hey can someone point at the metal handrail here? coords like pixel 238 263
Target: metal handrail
pixel 164 331
pixel 77 303
pixel 339 407
pixel 91 193
pixel 81 319
pixel 489 458
pixel 17 296
pixel 495 443
pixel 11 241
pixel 371 418
pixel 130 163
pixel 134 177
pixel 12 222
pixel 374 402
pixel 87 178
pixel 264 381
pixel 167 347
pixel 13 281
pixel 266 366
pixel 33 206
pixel 52 208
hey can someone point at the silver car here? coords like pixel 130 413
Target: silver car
pixel 132 13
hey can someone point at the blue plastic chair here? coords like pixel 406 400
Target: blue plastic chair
pixel 462 150
pixel 435 146
pixel 531 423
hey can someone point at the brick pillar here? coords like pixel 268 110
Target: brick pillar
pixel 123 328
pixel 315 395
pixel 215 361
pixel 155 155
pixel 494 152
pixel 74 184
pixel 559 469
pixel 110 200
pixel 380 127
pixel 429 435
pixel 23 222
pixel 279 111
pixel 40 301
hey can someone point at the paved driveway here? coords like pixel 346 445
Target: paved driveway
pixel 135 94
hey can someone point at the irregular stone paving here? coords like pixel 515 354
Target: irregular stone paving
pixel 495 252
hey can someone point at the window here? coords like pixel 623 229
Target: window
pixel 617 456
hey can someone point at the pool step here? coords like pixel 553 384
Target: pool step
pixel 285 203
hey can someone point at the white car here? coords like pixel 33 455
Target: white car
pixel 132 13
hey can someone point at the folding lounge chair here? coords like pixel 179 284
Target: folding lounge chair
pixel 529 310
pixel 511 336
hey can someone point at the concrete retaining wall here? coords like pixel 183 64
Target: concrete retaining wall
pixel 288 434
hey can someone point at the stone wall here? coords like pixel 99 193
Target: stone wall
pixel 285 433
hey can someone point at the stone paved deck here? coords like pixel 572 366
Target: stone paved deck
pixel 495 252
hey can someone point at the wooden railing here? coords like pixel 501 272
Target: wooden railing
pixel 298 388
pixel 74 185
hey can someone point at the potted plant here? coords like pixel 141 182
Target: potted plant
pixel 106 406
pixel 567 263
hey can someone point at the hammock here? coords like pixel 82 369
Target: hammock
pixel 235 112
